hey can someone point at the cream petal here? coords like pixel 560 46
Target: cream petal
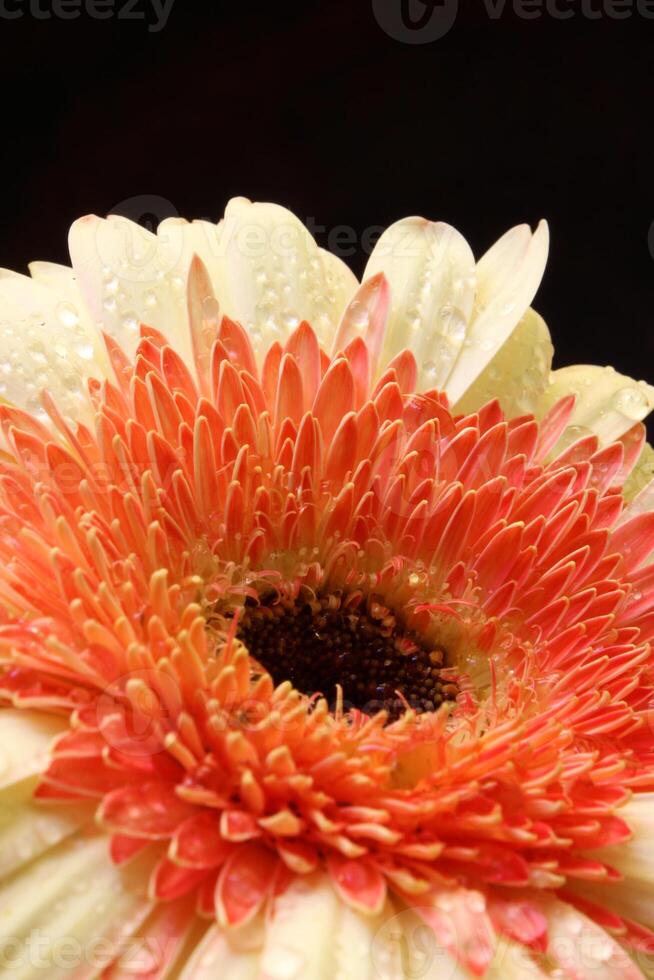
pixel 62 279
pixel 301 931
pixel 128 276
pixel 513 962
pixel 68 911
pixel 582 948
pixel 631 899
pixel 633 896
pixel 431 272
pixel 163 943
pixel 608 403
pixel 214 956
pixel 359 947
pixel 508 276
pixel 28 829
pixel 309 934
pixel 403 946
pixel 25 739
pixel 634 858
pixel 641 479
pixel 269 274
pixel 518 374
pixel 342 284
pixel 253 247
pixel 46 342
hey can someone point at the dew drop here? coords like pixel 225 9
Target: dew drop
pixel 359 316
pixel 47 832
pixel 454 324
pixel 290 320
pixel 210 309
pixel 603 952
pixel 487 344
pixel 37 353
pixel 282 963
pixel 631 402
pixel 67 315
pixel 84 349
pixel 476 902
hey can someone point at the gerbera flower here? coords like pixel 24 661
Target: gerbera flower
pixel 327 617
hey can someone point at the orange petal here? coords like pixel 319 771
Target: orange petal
pixel 358 883
pixel 243 884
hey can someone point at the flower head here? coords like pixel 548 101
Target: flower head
pixel 327 607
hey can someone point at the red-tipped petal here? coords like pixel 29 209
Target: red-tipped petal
pixel 151 810
pixel 198 842
pixel 359 883
pixel 243 884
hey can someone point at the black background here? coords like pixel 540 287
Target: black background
pixel 315 106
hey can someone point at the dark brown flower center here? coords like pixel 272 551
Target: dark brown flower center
pixel 330 641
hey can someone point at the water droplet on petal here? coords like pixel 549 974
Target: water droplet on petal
pixel 630 401
pixel 282 963
pixel 358 313
pixel 84 349
pixel 67 315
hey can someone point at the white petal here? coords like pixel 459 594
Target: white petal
pixel 582 948
pixel 635 857
pixel 508 276
pixel 518 374
pixel 128 276
pixel 28 828
pixel 46 342
pixel 431 272
pixel 639 480
pixel 74 901
pixel 607 403
pixel 269 274
pixel 25 738
pixel 633 897
pixel 513 961
pixel 402 945
pixel 162 944
pixel 302 930
pixel 61 279
pixel 215 957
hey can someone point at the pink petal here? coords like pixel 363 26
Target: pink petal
pixel 366 315
pixel 151 810
pixel 358 883
pixel 243 884
pixel 168 881
pixel 198 842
